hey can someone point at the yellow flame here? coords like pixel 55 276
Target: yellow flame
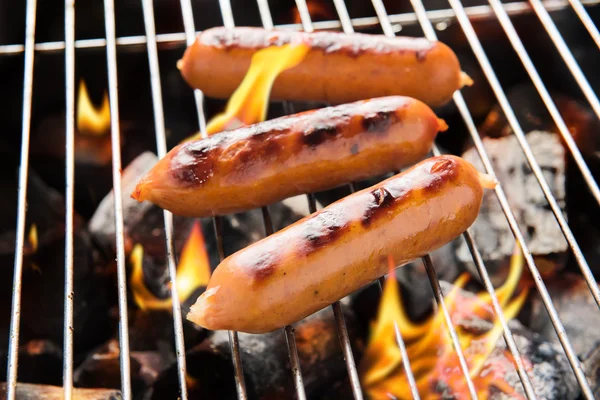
pixel 249 104
pixel 32 238
pixel 92 120
pixel 193 272
pixel 193 269
pixel 429 347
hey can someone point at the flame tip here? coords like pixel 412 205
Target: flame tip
pixel 92 120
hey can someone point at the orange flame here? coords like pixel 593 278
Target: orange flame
pixel 249 104
pixel 193 272
pixel 432 358
pixel 317 10
pixel 92 120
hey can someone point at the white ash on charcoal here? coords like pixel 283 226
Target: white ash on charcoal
pixel 266 362
pixel 44 271
pixel 548 367
pixel 40 361
pixel 101 368
pixel 542 233
pixel 581 207
pixel 551 374
pixel 143 222
pixel 28 391
pixel 136 216
pixel 576 308
pixel 591 367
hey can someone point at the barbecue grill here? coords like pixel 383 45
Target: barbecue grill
pixel 390 25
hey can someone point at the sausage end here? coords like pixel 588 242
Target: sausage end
pixel 442 125
pixel 137 193
pixel 487 181
pixel 200 312
pixel 465 80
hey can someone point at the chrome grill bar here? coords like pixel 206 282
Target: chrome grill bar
pixel 151 40
pixel 520 135
pixel 433 279
pixel 69 196
pixel 15 311
pixel 475 13
pixel 563 129
pixel 290 338
pixel 161 145
pixel 347 27
pixel 501 96
pixel 430 34
pixel 115 131
pixel 188 18
pixel 586 20
pixel 341 327
pixel 439 298
pixel 288 330
pixel 565 53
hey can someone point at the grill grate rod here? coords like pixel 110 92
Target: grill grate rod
pixel 439 298
pixel 111 52
pixel 190 33
pixel 15 312
pixel 69 196
pixel 518 45
pixel 586 20
pixel 566 55
pixel 161 146
pixel 429 32
pixel 528 64
pixel 433 278
pixel 507 332
pixel 543 291
pixel 340 322
pixel 341 327
pixel 189 37
pixel 347 27
pixel 474 12
pixel 290 339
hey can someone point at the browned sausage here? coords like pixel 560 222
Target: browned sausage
pixel 257 165
pixel 332 253
pixel 339 68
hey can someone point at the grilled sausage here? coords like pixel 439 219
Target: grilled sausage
pixel 260 164
pixel 339 68
pixel 332 253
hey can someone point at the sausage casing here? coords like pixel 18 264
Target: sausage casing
pixel 339 67
pixel 261 164
pixel 333 252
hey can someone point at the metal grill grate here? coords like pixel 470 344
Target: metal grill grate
pixel 425 19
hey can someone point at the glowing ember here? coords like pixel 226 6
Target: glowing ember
pixel 193 272
pixel 318 11
pixel 433 360
pixel 92 120
pixel 32 238
pixel 248 105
